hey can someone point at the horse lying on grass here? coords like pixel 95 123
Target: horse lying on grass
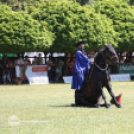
pixel 97 78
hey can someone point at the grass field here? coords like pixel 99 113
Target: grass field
pixel 46 109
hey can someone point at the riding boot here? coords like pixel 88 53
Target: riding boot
pixel 78 93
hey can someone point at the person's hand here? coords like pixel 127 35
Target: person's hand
pixel 92 61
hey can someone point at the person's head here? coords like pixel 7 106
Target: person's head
pixel 80 44
pixel 9 60
pixel 127 57
pixel 59 58
pixel 50 59
pixel 35 57
pixel 73 59
pixel 5 57
pixel 26 57
pixel 56 59
pixel 39 54
pixel 20 57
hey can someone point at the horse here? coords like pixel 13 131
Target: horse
pixel 97 78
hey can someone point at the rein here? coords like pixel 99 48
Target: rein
pixel 102 69
pixel 110 56
pixel 89 76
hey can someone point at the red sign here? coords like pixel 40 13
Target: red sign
pixel 39 69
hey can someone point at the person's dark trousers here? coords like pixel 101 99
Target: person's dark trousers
pixel 50 75
pixel 1 74
pixel 78 93
pixel 53 75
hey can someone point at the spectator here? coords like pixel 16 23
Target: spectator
pixel 49 63
pixel 1 71
pixel 34 62
pixel 122 60
pixel 40 60
pixel 20 61
pixel 59 69
pixel 127 61
pixel 7 64
pixel 132 59
pixel 27 61
pixel 21 64
pixel 71 69
pixel 53 68
pixel 67 66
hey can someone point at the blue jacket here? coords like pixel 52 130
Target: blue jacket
pixel 80 70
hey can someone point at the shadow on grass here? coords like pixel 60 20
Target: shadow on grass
pixel 74 105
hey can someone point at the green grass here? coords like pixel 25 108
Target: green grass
pixel 45 109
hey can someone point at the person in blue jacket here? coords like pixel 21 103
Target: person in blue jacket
pixel 82 65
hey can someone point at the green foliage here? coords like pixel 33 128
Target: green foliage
pixel 71 23
pixel 57 25
pixel 85 2
pixel 122 16
pixel 20 33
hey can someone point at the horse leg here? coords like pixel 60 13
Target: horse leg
pixel 109 88
pixel 98 104
pixel 103 94
pixel 80 101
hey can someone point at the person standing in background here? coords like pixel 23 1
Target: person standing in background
pixel 40 60
pixel 49 63
pixel 20 61
pixel 34 62
pixel 72 64
pixel 27 61
pixel 60 64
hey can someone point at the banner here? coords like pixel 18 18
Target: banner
pixel 113 77
pixel 67 79
pixel 36 74
pixel 126 69
pixel 120 77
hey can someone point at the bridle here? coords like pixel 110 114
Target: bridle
pixel 107 54
pixel 102 69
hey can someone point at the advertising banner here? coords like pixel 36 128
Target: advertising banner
pixel 126 69
pixel 35 74
pixel 120 77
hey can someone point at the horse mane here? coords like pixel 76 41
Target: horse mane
pixel 99 52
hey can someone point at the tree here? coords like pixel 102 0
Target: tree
pixel 122 16
pixel 85 2
pixel 20 33
pixel 71 23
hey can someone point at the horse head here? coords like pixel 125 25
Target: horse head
pixel 111 55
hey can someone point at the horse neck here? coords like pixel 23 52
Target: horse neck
pixel 99 60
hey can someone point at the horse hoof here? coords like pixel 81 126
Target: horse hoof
pixel 118 106
pixel 107 106
pixel 97 106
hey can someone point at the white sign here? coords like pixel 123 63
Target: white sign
pixel 36 74
pixel 67 79
pixel 120 77
pixel 113 77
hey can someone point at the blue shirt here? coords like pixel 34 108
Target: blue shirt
pixel 80 69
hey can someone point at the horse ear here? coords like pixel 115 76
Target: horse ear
pixel 106 46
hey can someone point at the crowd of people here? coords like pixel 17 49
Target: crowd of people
pixel 127 59
pixel 7 66
pixel 55 66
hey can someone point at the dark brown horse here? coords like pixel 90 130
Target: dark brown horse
pixel 97 78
